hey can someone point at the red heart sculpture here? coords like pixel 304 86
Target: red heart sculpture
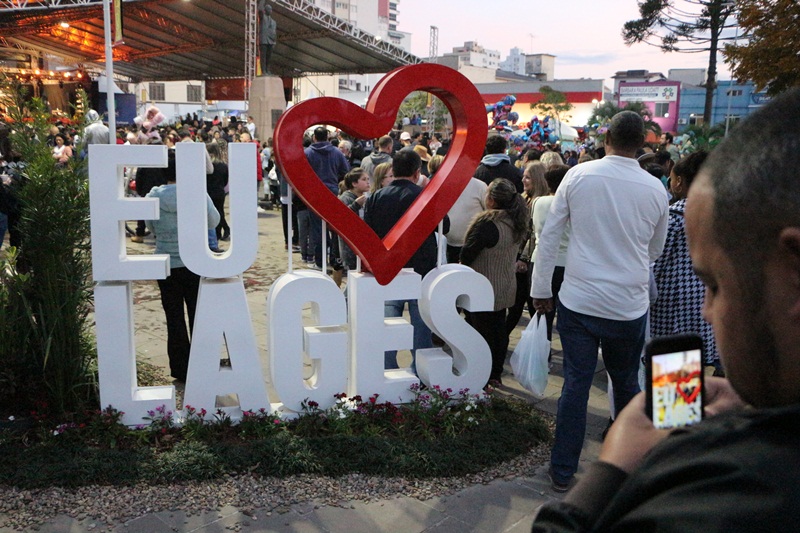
pixel 689 398
pixel 384 258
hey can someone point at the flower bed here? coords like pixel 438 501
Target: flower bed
pixel 440 433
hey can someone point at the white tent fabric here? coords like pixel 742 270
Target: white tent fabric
pixel 568 133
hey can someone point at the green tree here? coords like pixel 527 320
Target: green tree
pixel 424 104
pixel 769 56
pixel 688 26
pixel 553 104
pixel 704 136
pixel 602 114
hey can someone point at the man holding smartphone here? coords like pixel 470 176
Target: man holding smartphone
pixel 618 216
pixel 737 470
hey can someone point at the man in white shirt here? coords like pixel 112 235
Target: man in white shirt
pixel 251 127
pixel 618 217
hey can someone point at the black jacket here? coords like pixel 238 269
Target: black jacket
pixel 384 208
pixel 217 180
pixel 734 472
pixel 504 169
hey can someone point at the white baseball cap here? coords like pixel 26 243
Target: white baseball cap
pixel 405 136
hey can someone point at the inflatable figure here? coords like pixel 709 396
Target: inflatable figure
pixel 501 111
pixel 547 131
pixel 148 124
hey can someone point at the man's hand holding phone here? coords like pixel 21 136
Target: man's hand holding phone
pixel 720 397
pixel 631 437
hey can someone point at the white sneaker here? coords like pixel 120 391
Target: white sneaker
pixel 261 210
pixel 313 266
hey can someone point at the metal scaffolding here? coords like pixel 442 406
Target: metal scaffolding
pixel 250 44
pixel 433 47
pixel 433 53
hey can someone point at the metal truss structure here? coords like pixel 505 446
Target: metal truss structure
pixel 202 39
pixel 15 5
pixel 335 27
pixel 250 40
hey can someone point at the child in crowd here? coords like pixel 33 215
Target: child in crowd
pixel 356 183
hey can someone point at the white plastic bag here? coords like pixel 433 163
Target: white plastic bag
pixel 529 360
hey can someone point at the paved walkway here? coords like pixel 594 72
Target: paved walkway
pixel 499 506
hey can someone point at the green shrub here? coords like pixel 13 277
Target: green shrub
pixel 49 298
pixel 187 461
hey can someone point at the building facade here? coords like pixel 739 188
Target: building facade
pixel 732 102
pixel 474 55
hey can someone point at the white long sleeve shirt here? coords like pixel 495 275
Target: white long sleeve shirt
pixel 618 217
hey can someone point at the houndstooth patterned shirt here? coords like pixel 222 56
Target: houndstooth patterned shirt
pixel 678 308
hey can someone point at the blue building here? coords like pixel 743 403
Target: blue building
pixel 741 98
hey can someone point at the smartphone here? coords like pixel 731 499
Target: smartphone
pixel 674 383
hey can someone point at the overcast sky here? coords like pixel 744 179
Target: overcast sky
pixel 584 35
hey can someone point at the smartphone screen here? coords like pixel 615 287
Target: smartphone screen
pixel 675 381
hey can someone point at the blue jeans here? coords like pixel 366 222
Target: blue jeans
pixel 581 335
pixel 422 334
pixel 315 237
pixel 3 227
pixel 304 236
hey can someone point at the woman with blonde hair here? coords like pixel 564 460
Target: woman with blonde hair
pixel 534 186
pixel 490 248
pixel 434 164
pixel 539 212
pixel 381 177
pixel 550 159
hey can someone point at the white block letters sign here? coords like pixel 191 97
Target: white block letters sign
pixel 344 340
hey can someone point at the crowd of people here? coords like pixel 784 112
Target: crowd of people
pixel 355 170
pixel 612 246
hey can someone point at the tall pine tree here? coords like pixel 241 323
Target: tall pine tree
pixel 688 26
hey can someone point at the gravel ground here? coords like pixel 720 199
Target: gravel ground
pixel 111 506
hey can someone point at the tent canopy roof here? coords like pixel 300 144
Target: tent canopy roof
pixel 197 39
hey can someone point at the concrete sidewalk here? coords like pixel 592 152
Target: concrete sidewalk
pixel 502 505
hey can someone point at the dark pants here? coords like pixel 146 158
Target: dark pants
pixel 523 296
pixel 141 228
pixel 555 286
pixel 581 336
pixel 265 54
pixel 222 229
pixel 492 327
pixel 315 237
pixel 179 290
pixel 285 221
pixel 453 254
